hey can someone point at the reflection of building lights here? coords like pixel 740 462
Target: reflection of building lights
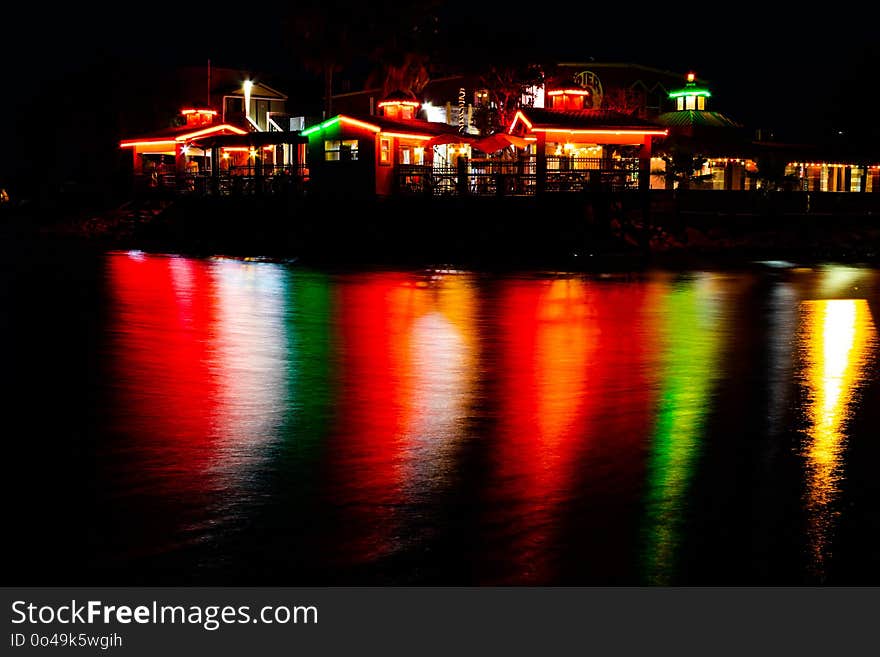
pixel 693 315
pixel 837 340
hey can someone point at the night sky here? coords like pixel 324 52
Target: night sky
pixel 792 69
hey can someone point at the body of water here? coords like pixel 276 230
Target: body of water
pixel 216 421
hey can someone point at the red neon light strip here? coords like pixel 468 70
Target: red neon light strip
pixel 603 132
pixel 207 131
pixel 568 92
pixel 519 116
pixel 154 142
pixel 408 103
pixel 404 135
pixel 199 111
pixel 360 124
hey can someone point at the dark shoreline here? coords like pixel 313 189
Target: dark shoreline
pixel 571 233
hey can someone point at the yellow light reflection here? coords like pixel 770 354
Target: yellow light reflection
pixel 837 339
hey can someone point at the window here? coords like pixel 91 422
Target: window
pixel 384 150
pixel 701 102
pixel 261 109
pixel 336 150
pixel 234 106
pixel 690 102
pixel 680 103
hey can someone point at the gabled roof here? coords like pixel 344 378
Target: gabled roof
pixel 584 119
pixel 258 90
pixel 622 74
pixel 383 124
pixel 400 96
pixel 255 139
pixel 183 133
pixel 417 126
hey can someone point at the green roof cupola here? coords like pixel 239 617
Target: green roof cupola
pixel 692 97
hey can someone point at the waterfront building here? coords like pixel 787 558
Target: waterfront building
pixel 392 151
pixel 238 140
pixel 571 127
pixel 726 156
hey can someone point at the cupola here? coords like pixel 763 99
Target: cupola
pixel 692 97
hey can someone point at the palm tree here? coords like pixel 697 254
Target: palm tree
pixel 323 43
pixel 771 175
pixel 683 166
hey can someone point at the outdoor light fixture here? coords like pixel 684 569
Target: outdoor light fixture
pixel 248 85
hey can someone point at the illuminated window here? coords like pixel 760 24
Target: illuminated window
pixel 690 102
pixel 405 156
pixel 701 102
pixel 680 103
pixel 384 150
pixel 344 150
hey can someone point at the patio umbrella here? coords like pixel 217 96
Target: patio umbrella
pixel 449 138
pixel 499 141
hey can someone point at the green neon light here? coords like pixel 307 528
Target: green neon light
pixel 320 126
pixel 690 92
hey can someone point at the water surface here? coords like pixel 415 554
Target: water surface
pixel 216 421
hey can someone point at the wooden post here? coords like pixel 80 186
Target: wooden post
pixel 541 163
pixel 258 170
pixel 462 173
pixel 645 165
pixel 215 170
pixel 179 166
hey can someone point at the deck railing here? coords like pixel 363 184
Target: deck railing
pixel 479 178
pixel 519 177
pixel 577 174
pixel 241 180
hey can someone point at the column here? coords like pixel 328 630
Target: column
pixel 541 163
pixel 645 164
